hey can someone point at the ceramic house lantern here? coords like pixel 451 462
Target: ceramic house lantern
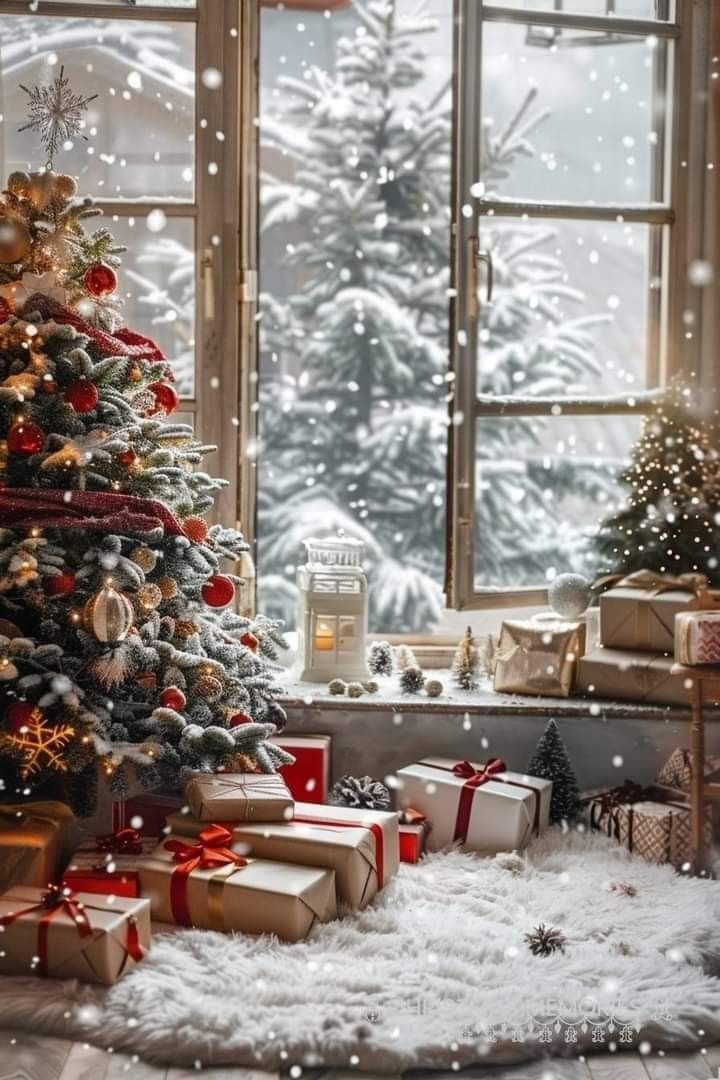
pixel 333 611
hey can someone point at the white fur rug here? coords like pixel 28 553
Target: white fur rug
pixel 436 971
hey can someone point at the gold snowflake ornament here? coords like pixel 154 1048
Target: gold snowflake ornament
pixel 56 113
pixel 41 744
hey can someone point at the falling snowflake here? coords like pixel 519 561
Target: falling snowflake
pixel 55 112
pixel 41 744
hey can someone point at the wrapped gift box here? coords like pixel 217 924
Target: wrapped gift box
pixel 639 612
pixel 697 637
pixel 146 813
pixel 109 864
pixel 412 842
pixel 72 936
pixel 36 841
pixel 621 675
pixel 361 846
pixel 483 806
pixel 652 821
pixel 538 658
pixel 239 797
pixel 677 770
pixel 205 884
pixel 308 778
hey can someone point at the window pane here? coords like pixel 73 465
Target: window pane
pixel 157 284
pixel 638 9
pixel 143 74
pixel 571 308
pixel 140 3
pixel 542 487
pixel 355 128
pixel 570 117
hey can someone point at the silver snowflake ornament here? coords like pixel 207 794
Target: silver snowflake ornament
pixel 56 113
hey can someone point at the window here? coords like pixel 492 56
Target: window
pixel 161 159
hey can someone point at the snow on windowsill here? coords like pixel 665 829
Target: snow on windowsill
pixel 389 698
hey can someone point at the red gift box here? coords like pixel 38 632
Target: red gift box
pixel 412 842
pixel 308 779
pixel 146 813
pixel 108 865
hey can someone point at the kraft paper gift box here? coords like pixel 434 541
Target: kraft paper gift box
pixel 652 821
pixel 308 778
pixel 697 637
pixel 205 884
pixel 621 675
pixel 108 865
pixel 677 770
pixel 239 797
pixel 361 846
pixel 639 612
pixel 36 840
pixel 483 806
pixel 67 935
pixel 538 658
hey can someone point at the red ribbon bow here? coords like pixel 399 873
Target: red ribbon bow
pixel 478 777
pixel 57 899
pixel 210 851
pixel 122 842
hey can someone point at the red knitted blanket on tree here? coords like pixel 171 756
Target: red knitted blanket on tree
pixel 37 508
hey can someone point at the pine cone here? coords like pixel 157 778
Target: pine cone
pixel 412 680
pixel 545 940
pixel 624 888
pixel 360 793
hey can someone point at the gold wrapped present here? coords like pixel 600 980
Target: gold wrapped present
pixel 36 841
pixel 538 657
pixel 361 846
pixel 677 770
pixel 639 611
pixel 206 884
pixel 652 821
pixel 69 935
pixel 621 675
pixel 239 797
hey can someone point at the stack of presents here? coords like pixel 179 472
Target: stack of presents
pixel 259 854
pixel 647 621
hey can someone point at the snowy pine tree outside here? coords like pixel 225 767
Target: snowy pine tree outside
pixel 354 333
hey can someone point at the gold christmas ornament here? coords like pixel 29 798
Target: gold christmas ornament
pixel 41 188
pixel 168 588
pixel 108 615
pixel 149 596
pixel 14 239
pixel 4 453
pixel 66 186
pixel 185 628
pixel 209 687
pixel 244 763
pixel 18 184
pixel 143 557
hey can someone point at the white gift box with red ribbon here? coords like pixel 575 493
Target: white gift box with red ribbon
pixel 483 806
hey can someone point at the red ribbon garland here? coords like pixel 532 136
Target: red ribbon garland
pixel 210 851
pixel 375 829
pixel 102 510
pixel 57 899
pixel 122 842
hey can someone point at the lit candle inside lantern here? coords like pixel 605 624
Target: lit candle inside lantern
pixel 324 637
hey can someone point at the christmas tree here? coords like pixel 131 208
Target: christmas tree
pixel 356 349
pixel 466 662
pixel 671 521
pixel 115 650
pixel 552 762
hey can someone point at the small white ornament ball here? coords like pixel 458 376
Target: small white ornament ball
pixel 569 595
pixel 434 688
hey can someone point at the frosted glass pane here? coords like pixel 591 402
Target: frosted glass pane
pixel 639 9
pixel 571 118
pixel 157 285
pixel 139 129
pixel 570 313
pixel 542 487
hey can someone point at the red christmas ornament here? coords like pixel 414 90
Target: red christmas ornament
pixel 48 386
pixel 146 679
pixel 250 641
pixel 218 591
pixel 26 438
pixel 100 280
pixel 82 395
pixel 60 584
pixel 173 698
pixel 127 457
pixel 166 399
pixel 20 714
pixel 240 718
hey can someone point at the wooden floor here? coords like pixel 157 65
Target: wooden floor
pixel 27 1057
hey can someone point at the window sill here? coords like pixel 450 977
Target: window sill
pixel 299 695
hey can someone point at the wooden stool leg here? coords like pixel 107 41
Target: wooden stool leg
pixel 697 780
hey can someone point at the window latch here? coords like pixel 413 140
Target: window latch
pixel 208 283
pixel 477 255
pixel 247 286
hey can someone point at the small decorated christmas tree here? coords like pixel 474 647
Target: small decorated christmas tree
pixel 466 662
pixel 671 520
pixel 114 647
pixel 551 761
pixel 380 658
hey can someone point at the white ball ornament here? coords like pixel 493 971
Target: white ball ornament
pixel 569 595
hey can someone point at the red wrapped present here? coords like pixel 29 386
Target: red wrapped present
pixel 308 778
pixel 108 865
pixel 146 813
